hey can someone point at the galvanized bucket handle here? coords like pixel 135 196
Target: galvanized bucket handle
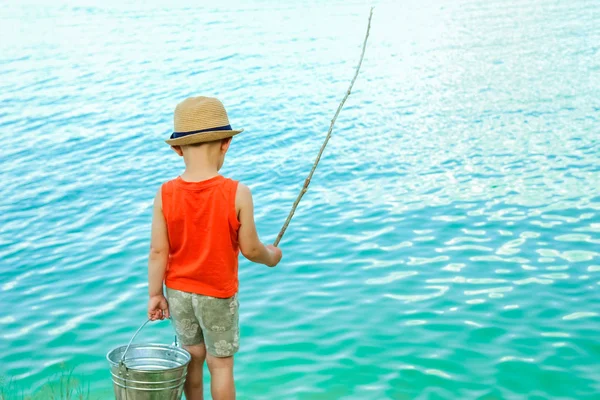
pixel 175 343
pixel 123 370
pixel 131 341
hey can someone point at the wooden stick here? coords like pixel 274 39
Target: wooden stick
pixel 314 167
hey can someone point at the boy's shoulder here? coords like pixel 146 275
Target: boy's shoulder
pixel 167 184
pixel 243 196
pixel 242 188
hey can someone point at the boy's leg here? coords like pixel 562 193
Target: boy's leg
pixel 222 386
pixel 182 306
pixel 193 388
pixel 220 326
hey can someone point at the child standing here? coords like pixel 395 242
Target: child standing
pixel 201 221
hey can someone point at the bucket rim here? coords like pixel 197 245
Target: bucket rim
pixel 182 351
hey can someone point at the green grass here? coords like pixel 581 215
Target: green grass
pixel 62 386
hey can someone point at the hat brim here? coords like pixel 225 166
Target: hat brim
pixel 202 137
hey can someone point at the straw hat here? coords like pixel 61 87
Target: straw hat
pixel 200 119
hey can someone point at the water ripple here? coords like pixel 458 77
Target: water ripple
pixel 447 247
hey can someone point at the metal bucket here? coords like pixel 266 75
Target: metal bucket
pixel 148 371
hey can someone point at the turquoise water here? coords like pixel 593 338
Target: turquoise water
pixel 448 247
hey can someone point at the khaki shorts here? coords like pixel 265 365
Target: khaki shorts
pixel 202 319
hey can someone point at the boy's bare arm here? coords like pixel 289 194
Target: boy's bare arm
pixel 250 245
pixel 157 263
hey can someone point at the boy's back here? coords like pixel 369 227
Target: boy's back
pixel 202 226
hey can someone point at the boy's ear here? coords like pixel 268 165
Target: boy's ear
pixel 177 149
pixel 225 144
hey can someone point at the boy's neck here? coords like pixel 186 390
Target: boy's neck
pixel 198 175
pixel 202 162
pixel 199 169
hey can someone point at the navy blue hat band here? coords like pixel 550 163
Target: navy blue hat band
pixel 176 135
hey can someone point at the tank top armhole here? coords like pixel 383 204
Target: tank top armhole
pixel 164 188
pixel 235 223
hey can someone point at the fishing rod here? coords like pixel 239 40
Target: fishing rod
pixel 314 167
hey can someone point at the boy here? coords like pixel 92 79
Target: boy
pixel 200 222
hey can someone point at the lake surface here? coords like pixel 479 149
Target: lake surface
pixel 448 246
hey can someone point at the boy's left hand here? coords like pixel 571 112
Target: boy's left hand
pixel 158 308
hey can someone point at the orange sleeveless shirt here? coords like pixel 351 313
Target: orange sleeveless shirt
pixel 202 226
